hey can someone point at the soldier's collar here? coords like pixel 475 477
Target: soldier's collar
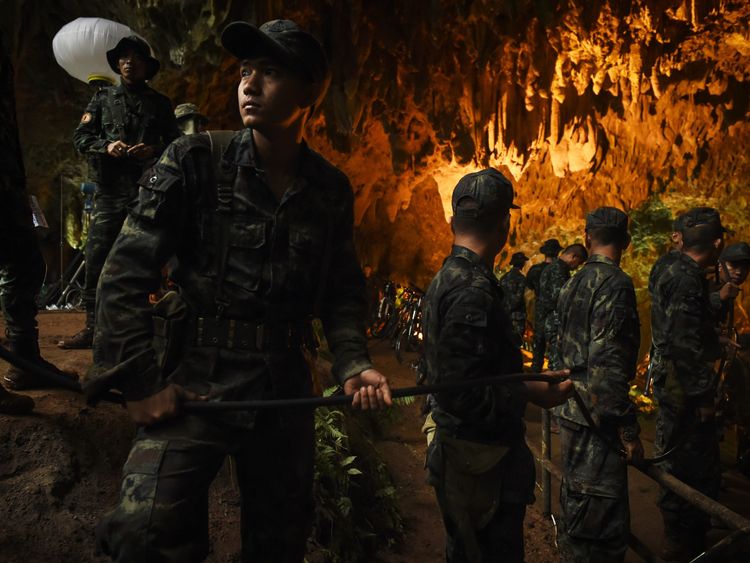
pixel 598 258
pixel 245 154
pixel 472 257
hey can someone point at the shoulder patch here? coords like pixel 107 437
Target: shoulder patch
pixel 86 117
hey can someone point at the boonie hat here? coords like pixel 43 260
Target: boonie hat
pixel 139 46
pixel 188 110
pixel 519 258
pixel 551 247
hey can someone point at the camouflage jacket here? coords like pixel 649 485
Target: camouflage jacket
pixel 550 284
pixel 273 274
pixel 132 116
pixel 468 335
pixel 599 336
pixel 533 276
pixel 720 309
pixel 682 326
pixel 513 285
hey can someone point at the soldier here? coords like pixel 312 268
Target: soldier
pixel 731 404
pixel 599 335
pixel 21 262
pixel 478 462
pixel 551 248
pixel 551 282
pixel 124 128
pixel 732 271
pixel 189 119
pixel 513 285
pixel 264 238
pixel 685 347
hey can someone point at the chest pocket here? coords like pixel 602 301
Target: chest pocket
pixel 306 250
pixel 247 257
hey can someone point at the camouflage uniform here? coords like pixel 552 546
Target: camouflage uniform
pixel 468 335
pixel 532 282
pixel 131 115
pixel 685 349
pixel 242 340
pixel 21 264
pixel 599 333
pixel 513 285
pixel 551 282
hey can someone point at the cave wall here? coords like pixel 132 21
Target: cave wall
pixel 641 105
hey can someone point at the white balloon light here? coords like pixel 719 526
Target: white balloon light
pixel 81 47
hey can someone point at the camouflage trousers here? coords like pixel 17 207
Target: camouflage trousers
pixel 111 209
pixel 518 320
pixel 696 463
pixel 482 500
pixel 21 268
pixel 540 343
pixel 163 510
pixel 595 519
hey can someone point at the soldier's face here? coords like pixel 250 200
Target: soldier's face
pixel 737 272
pixel 271 96
pixel 132 67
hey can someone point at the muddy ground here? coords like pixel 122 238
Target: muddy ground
pixel 60 467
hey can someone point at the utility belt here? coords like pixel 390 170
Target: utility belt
pixel 242 334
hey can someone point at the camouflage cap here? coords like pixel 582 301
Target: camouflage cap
pixel 737 252
pixel 488 188
pixel 677 224
pixel 139 46
pixel 519 258
pixel 282 41
pixel 188 110
pixel 699 216
pixel 607 217
pixel 551 247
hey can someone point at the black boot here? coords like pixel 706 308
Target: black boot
pixel 10 403
pixel 19 379
pixel 82 339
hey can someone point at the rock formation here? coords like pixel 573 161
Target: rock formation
pixel 641 105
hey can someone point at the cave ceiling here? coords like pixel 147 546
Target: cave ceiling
pixel 640 105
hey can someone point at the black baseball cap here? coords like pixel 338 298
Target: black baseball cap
pixel 139 46
pixel 488 188
pixel 737 252
pixel 282 41
pixel 607 217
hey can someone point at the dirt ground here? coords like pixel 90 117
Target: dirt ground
pixel 60 470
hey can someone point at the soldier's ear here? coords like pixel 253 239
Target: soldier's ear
pixel 587 240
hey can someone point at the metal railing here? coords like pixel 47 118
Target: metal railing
pixel 736 522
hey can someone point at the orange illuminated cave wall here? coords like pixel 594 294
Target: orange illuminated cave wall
pixel 640 105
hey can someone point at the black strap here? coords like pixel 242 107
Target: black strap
pixel 224 178
pixel 118 115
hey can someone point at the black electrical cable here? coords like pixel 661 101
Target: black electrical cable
pixel 340 399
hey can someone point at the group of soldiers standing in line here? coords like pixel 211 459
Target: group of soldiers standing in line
pixel 588 322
